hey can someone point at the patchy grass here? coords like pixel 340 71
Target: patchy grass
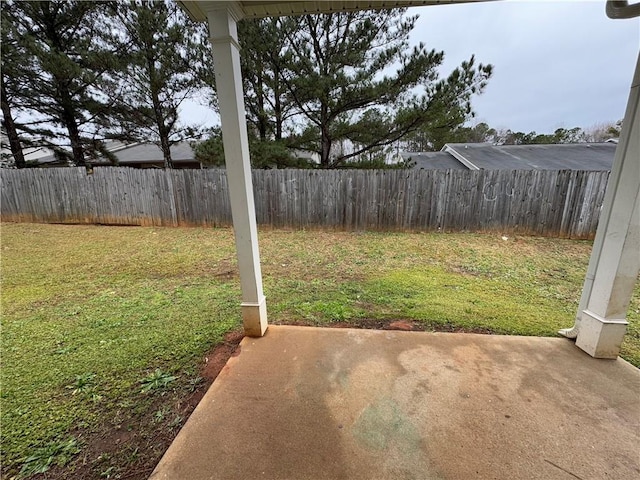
pixel 521 286
pixel 90 314
pixel 104 329
pixel 58 453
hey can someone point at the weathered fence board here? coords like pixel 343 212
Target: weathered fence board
pixel 563 203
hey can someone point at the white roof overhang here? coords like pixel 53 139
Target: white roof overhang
pixel 259 9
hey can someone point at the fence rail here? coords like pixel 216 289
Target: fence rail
pixel 564 203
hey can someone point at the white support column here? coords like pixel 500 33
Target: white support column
pixel 222 17
pixel 615 259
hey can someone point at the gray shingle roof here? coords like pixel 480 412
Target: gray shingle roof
pixel 139 153
pixel 433 161
pixel 150 152
pixel 575 156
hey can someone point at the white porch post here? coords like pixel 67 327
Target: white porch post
pixel 615 259
pixel 222 17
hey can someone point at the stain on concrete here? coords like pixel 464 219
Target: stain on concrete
pixel 384 422
pixel 304 403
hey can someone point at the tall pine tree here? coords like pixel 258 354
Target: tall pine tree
pixel 11 78
pixel 267 100
pixel 352 77
pixel 167 63
pixel 61 83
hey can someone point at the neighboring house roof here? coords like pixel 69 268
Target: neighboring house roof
pixel 486 156
pixel 150 152
pixel 432 161
pixel 569 156
pixel 138 154
pixel 31 154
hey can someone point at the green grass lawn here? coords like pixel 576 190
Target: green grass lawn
pixel 104 329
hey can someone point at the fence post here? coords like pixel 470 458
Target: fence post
pixel 172 197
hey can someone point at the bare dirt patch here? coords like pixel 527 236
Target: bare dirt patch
pixel 217 358
pixel 129 448
pixel 396 324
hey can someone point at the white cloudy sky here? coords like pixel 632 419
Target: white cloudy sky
pixel 557 63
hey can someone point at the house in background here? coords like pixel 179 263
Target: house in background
pixel 137 155
pixel 32 155
pixel 453 156
pixel 149 155
pixel 486 156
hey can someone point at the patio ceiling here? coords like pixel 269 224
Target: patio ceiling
pixel 257 9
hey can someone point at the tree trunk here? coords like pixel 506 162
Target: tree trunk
pixel 166 151
pixel 69 121
pixel 76 144
pixel 277 108
pixel 278 115
pixel 325 149
pixel 162 131
pixel 262 115
pixel 325 138
pixel 263 128
pixel 12 133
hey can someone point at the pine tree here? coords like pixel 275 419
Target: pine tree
pixel 267 101
pixel 64 88
pixel 167 63
pixel 10 79
pixel 338 75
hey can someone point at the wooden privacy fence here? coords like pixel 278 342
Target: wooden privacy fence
pixel 563 203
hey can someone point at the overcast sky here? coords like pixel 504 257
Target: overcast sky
pixel 556 63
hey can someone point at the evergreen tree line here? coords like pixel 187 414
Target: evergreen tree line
pixel 343 86
pixel 482 132
pixel 76 74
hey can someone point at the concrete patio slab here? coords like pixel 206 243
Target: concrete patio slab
pixel 319 403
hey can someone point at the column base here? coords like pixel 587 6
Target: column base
pixel 254 318
pixel 599 337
